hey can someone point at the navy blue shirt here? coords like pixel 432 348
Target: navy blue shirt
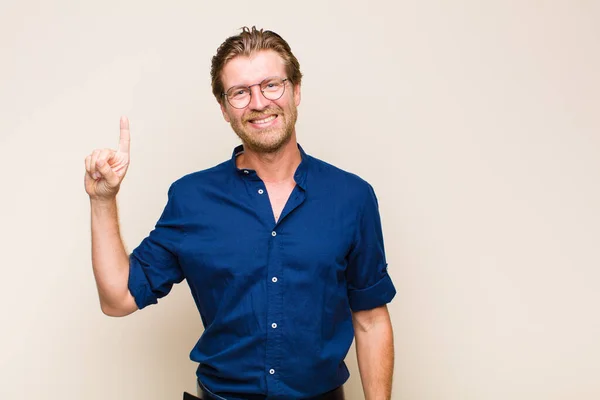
pixel 275 298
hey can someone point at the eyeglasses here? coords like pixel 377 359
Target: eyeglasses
pixel 272 88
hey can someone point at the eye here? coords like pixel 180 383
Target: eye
pixel 240 92
pixel 271 86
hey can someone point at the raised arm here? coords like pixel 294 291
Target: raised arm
pixel 105 170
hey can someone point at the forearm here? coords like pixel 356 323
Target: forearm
pixel 109 259
pixel 375 354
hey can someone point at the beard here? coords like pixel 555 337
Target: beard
pixel 267 140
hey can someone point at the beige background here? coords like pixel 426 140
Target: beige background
pixel 476 122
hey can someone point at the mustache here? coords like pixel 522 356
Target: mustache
pixel 266 112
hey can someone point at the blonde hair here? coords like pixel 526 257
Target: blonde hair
pixel 248 42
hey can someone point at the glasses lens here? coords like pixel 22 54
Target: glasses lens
pixel 272 88
pixel 238 97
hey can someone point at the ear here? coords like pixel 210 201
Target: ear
pixel 297 94
pixel 224 111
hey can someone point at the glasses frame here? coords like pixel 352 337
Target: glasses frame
pixel 283 80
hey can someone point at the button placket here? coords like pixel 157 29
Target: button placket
pixel 274 313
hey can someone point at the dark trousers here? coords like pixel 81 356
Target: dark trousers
pixel 336 394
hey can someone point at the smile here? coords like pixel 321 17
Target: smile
pixel 264 120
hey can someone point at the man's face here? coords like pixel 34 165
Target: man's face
pixel 264 125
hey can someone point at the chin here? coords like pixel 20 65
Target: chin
pixel 267 146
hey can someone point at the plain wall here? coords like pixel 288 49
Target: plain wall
pixel 477 123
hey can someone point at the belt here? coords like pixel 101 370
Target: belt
pixel 335 394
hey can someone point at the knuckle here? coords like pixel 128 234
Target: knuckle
pixel 105 153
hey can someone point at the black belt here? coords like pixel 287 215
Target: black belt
pixel 335 394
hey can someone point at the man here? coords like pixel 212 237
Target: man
pixel 283 253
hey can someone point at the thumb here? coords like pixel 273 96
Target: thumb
pixel 107 172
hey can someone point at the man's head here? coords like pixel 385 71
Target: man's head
pixel 247 43
pixel 256 80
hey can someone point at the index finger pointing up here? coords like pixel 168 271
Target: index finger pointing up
pixel 124 137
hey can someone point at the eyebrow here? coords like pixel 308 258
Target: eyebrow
pixel 236 87
pixel 257 83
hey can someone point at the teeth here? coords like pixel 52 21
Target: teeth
pixel 264 121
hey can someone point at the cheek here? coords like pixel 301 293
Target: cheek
pixel 288 104
pixel 224 113
pixel 232 116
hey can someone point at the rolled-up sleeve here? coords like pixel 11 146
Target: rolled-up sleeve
pixel 369 285
pixel 154 264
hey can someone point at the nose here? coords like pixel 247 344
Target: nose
pixel 258 102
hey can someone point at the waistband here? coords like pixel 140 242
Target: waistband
pixel 206 394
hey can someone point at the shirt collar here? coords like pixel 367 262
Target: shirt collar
pixel 299 175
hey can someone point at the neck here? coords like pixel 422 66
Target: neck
pixel 276 167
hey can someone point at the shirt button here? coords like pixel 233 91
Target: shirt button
pixel 273 325
pixel 246 172
pixel 274 279
pixel 273 233
pixel 260 191
pixel 271 371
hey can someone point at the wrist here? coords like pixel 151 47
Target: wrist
pixel 103 202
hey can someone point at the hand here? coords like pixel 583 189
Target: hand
pixel 106 168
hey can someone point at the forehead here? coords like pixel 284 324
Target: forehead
pixel 250 70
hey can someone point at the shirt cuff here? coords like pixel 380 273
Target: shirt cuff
pixel 374 296
pixel 138 284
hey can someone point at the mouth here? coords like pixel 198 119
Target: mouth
pixel 263 121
